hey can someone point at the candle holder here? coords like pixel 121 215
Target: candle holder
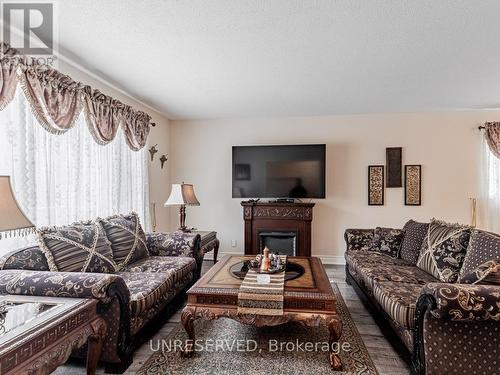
pixel 473 211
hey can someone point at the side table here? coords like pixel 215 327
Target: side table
pixel 38 334
pixel 209 242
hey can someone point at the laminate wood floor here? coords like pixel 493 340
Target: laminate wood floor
pixel 386 359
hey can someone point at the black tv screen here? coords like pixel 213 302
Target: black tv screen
pixel 288 171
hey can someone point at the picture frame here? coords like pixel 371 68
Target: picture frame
pixel 394 164
pixel 413 185
pixel 376 185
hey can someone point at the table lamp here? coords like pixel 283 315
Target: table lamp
pixel 182 195
pixel 12 219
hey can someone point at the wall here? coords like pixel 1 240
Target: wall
pixel 159 179
pixel 446 144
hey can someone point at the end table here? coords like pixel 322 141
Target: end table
pixel 209 242
pixel 38 334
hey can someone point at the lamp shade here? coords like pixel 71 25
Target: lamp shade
pixel 182 194
pixel 11 215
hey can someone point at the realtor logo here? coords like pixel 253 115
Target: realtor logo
pixel 29 27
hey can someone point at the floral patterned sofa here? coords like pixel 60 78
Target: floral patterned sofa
pixel 135 296
pixel 434 288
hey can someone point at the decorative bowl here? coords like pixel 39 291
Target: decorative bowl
pixel 251 266
pixel 270 271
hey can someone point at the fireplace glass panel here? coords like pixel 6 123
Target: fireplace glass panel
pixel 283 243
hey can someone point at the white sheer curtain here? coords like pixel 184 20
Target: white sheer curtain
pixel 59 179
pixel 490 215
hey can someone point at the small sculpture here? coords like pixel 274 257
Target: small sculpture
pixel 266 261
pixel 276 262
pixel 255 263
pixel 152 151
pixel 163 159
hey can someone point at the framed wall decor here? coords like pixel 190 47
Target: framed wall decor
pixel 375 185
pixel 394 164
pixel 413 185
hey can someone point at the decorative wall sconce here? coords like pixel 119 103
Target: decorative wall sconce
pixel 152 151
pixel 163 159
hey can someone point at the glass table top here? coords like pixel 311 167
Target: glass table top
pixel 21 315
pixel 16 314
pixel 292 271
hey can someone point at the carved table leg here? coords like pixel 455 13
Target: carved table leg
pixel 95 342
pixel 187 319
pixel 335 328
pixel 216 250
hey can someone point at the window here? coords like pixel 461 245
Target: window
pixel 59 179
pixel 490 217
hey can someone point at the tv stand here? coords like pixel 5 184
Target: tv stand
pixel 278 217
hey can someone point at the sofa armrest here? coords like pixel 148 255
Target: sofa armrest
pixel 104 287
pixel 464 302
pixel 469 309
pixel 174 244
pixel 101 286
pixel 177 243
pixel 358 239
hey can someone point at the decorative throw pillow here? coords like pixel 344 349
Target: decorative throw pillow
pixel 358 239
pixel 443 250
pixel 79 247
pixel 415 233
pixel 387 241
pixel 128 240
pixel 482 261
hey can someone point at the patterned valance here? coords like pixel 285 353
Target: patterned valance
pixel 54 97
pixel 101 114
pixel 104 115
pixel 492 134
pixel 57 100
pixel 8 78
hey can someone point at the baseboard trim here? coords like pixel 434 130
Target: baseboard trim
pixel 326 259
pixel 332 259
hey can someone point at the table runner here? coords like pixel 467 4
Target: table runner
pixel 262 299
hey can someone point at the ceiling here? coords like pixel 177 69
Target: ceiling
pixel 256 58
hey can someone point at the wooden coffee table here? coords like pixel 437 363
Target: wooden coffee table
pixel 308 300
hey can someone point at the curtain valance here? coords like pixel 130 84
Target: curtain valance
pixel 104 115
pixel 54 97
pixel 101 114
pixel 492 134
pixel 8 78
pixel 57 100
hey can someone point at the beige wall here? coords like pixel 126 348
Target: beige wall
pixel 159 179
pixel 446 144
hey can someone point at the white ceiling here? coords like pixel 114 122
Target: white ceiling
pixel 254 58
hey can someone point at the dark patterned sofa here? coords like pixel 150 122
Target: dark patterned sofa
pixel 440 327
pixel 134 299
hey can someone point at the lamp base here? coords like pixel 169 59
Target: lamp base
pixel 184 229
pixel 182 219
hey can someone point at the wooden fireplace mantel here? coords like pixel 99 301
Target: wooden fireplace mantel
pixel 293 217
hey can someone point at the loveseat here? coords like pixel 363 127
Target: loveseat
pixel 139 278
pixel 434 288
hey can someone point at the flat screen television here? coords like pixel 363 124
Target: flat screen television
pixel 284 171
